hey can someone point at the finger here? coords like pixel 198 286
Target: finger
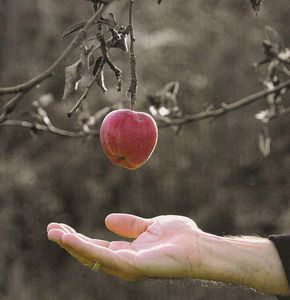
pixel 113 269
pixel 88 257
pixel 51 226
pixel 115 245
pixel 61 226
pixel 93 252
pixel 55 234
pixel 67 227
pixel 83 260
pixel 125 225
pixel 99 242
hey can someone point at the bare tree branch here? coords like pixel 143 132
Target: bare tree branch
pixel 47 126
pixel 50 128
pixel 162 121
pixel 9 107
pixel 225 108
pixel 41 127
pixel 21 89
pixel 81 35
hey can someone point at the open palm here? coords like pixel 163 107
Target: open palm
pixel 164 246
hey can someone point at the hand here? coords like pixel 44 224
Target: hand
pixel 165 246
pixel 174 247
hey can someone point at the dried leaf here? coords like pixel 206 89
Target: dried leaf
pixel 101 82
pixel 172 88
pixel 96 4
pixel 256 5
pixel 99 64
pixel 83 83
pixel 263 116
pixel 274 38
pixel 265 143
pixel 85 59
pixel 73 28
pixel 120 43
pixel 153 110
pixel 75 72
pixel 113 19
pixel 167 95
pixel 285 55
pixel 72 76
pixel 164 104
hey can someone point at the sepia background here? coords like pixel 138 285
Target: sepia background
pixel 212 172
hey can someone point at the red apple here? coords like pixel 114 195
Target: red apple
pixel 128 137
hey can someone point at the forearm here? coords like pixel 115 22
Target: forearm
pixel 252 262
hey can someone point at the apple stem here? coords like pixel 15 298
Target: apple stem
pixel 132 90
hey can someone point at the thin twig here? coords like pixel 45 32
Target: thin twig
pixel 47 126
pixel 132 90
pixel 50 128
pixel 9 107
pixel 225 108
pixel 42 127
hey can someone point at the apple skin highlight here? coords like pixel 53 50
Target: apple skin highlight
pixel 128 137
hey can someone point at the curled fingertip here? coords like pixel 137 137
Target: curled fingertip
pixel 108 218
pixel 55 235
pixel 52 225
pixel 113 218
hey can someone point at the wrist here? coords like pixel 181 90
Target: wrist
pixel 249 261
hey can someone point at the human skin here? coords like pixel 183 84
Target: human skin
pixel 174 247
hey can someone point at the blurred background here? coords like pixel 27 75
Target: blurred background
pixel 212 172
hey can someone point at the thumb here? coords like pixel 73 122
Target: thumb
pixel 125 225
